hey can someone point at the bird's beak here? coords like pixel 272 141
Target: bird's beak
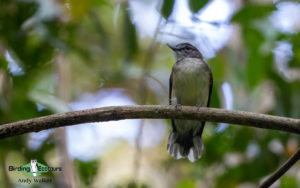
pixel 173 47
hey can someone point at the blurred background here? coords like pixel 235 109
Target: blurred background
pixel 63 55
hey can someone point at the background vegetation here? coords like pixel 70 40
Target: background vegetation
pixel 55 53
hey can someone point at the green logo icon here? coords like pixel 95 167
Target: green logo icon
pixel 34 168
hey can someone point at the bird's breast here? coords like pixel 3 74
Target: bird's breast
pixel 190 82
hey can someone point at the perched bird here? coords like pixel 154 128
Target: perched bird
pixel 191 84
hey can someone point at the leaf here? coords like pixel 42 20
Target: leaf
pixel 130 36
pixel 3 63
pixel 167 8
pixel 79 8
pixel 87 170
pixel 288 181
pixel 252 12
pixel 100 3
pixel 196 5
pixel 218 66
pixel 295 40
pixel 186 184
pixel 254 68
pixel 257 63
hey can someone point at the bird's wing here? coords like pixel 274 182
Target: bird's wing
pixel 211 82
pixel 170 97
pixel 170 88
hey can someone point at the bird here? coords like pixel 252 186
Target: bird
pixel 190 84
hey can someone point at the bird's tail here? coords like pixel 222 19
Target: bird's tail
pixel 191 148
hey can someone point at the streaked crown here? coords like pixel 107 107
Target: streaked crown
pixel 185 50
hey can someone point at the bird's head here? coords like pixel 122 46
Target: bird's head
pixel 185 50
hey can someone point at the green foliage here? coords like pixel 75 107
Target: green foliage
pixel 251 12
pixel 130 38
pixel 134 185
pixel 196 5
pixel 186 184
pixel 87 170
pixel 3 63
pixel 167 8
pixel 288 181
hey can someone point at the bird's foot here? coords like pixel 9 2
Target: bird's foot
pixel 198 106
pixel 178 106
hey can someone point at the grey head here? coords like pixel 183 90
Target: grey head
pixel 185 50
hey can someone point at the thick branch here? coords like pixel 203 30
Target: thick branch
pixel 150 112
pixel 281 170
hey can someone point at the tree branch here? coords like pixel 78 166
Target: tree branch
pixel 150 112
pixel 281 170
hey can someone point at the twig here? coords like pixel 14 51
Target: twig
pixel 150 112
pixel 281 170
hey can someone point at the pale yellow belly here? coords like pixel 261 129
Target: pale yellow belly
pixel 190 87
